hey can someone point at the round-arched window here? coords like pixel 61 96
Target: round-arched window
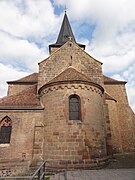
pixel 74 107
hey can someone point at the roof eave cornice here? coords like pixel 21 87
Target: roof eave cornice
pixel 21 108
pixel 15 82
pixel 115 83
pixel 71 82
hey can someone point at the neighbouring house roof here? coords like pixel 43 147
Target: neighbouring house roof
pixel 109 97
pixel 26 99
pixel 32 78
pixel 108 80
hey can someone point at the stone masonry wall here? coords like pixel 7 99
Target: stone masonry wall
pixel 125 116
pixel 70 54
pixel 114 126
pixel 21 147
pixel 53 49
pixel 13 168
pixel 107 130
pixel 73 139
pixel 118 92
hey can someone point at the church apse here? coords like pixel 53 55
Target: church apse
pixel 68 111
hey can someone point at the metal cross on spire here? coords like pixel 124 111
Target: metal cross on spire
pixel 65 8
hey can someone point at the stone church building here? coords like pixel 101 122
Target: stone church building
pixel 67 111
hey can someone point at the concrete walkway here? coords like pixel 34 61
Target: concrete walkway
pixel 103 174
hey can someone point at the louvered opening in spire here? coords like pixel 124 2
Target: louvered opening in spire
pixel 65 31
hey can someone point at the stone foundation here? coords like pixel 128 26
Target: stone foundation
pixel 13 168
pixel 77 164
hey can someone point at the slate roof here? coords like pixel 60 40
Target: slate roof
pixel 26 99
pixel 108 80
pixel 65 33
pixel 32 78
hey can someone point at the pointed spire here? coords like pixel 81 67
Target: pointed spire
pixel 65 34
pixel 65 31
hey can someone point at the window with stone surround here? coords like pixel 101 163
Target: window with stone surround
pixel 5 130
pixel 74 107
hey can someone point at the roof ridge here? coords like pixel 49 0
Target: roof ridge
pixel 29 78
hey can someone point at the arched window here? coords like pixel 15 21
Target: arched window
pixel 5 130
pixel 74 107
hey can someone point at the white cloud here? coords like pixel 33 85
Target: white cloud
pixel 25 30
pixel 19 52
pixel 22 25
pixel 28 18
pixel 8 73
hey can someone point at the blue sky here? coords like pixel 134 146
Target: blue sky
pixel 107 27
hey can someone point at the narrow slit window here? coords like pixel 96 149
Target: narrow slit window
pixel 74 107
pixel 5 130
